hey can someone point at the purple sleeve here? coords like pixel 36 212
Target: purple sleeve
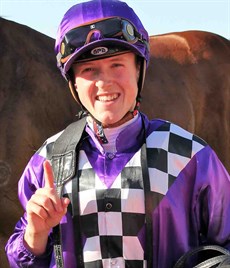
pixel 18 255
pixel 213 198
pixel 195 210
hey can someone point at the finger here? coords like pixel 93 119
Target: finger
pixel 65 202
pixel 48 199
pixel 49 176
pixel 35 209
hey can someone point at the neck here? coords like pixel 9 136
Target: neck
pixel 126 118
pixel 112 131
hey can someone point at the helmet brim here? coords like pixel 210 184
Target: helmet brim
pixel 77 56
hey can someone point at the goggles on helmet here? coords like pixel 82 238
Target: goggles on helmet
pixel 117 28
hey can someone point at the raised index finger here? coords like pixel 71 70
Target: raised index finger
pixel 49 176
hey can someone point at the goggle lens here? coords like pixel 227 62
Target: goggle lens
pixel 108 28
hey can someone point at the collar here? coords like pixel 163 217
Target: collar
pixel 127 137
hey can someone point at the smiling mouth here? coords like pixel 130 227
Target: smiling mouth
pixel 107 98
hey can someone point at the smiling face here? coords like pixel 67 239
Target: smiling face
pixel 107 87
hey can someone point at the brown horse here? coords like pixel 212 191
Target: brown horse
pixel 187 82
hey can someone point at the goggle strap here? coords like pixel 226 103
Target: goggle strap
pixel 90 34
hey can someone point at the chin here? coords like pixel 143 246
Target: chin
pixel 109 121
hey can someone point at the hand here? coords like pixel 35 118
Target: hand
pixel 44 211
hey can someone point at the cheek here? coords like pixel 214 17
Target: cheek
pixel 86 92
pixel 132 85
pixel 82 86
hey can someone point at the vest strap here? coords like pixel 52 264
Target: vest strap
pixel 148 208
pixel 64 160
pixel 63 156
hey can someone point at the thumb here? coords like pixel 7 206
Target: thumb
pixel 49 176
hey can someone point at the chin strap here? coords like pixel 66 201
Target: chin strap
pixel 99 131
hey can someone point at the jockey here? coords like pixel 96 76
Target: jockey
pixel 134 192
pixel 114 29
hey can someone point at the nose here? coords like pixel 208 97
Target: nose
pixel 103 80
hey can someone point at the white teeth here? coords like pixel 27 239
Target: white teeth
pixel 107 98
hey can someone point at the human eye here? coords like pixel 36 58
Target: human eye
pixel 88 69
pixel 82 68
pixel 117 65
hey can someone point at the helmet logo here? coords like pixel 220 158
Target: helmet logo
pixel 99 51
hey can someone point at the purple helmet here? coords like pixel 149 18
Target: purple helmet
pixel 100 28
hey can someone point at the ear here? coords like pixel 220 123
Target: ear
pixel 73 90
pixel 75 86
pixel 71 80
pixel 138 70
